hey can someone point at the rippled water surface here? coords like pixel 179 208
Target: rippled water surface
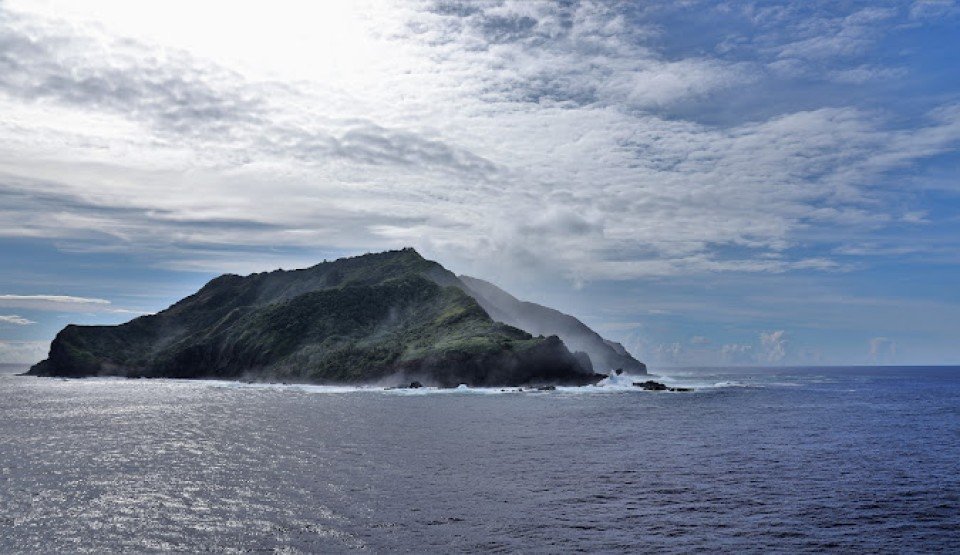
pixel 847 459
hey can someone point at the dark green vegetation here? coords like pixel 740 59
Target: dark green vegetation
pixel 384 317
pixel 606 355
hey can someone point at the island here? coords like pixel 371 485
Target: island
pixel 387 318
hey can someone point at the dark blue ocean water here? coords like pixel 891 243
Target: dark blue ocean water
pixel 788 460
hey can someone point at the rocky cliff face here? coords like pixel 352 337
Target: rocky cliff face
pixel 388 317
pixel 606 356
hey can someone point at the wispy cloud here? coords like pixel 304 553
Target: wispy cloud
pixel 59 299
pixel 64 303
pixel 863 74
pixel 882 349
pixel 842 36
pixel 934 9
pixel 15 320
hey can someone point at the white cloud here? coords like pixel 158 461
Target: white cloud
pixel 934 9
pixel 62 303
pixel 15 320
pixel 874 249
pixel 773 346
pixel 837 37
pixel 882 350
pixel 915 217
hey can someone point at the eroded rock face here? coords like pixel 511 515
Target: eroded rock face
pixel 353 320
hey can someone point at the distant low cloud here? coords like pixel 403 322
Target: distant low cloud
pixel 882 350
pixel 23 352
pixel 773 346
pixel 668 354
pixel 736 353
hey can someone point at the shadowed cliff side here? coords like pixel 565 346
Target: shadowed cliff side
pixel 605 355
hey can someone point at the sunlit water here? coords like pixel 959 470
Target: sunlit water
pixel 846 459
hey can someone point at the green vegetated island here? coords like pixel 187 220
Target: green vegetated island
pixel 388 318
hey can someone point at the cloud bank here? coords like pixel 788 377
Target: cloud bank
pixel 540 135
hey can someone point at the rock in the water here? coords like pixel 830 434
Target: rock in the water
pixel 651 385
pixel 415 385
pixel 547 388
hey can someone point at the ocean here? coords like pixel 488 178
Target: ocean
pixel 755 460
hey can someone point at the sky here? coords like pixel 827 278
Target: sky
pixel 708 182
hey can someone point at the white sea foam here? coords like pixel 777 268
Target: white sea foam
pixel 611 385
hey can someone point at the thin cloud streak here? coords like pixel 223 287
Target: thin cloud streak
pixel 64 299
pixel 58 303
pixel 15 320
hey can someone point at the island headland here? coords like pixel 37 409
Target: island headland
pixel 387 318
